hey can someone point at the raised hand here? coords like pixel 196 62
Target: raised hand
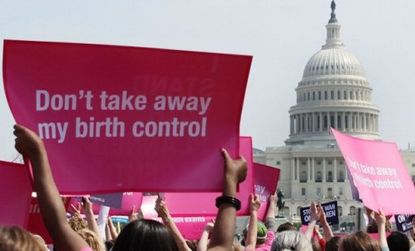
pixel 27 142
pixel 315 213
pixel 235 169
pixel 254 203
pixel 162 210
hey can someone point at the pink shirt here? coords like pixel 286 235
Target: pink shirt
pixel 267 245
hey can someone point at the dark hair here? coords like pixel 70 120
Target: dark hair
pixel 143 235
pixel 372 228
pixel 192 244
pixel 333 244
pixel 109 244
pixel 287 226
pixel 359 241
pixel 398 241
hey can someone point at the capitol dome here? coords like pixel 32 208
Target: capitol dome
pixel 333 61
pixel 333 93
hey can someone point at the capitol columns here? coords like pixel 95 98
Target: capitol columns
pixel 335 169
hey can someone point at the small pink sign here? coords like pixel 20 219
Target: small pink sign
pixel 266 181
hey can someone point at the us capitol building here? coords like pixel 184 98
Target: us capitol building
pixel 333 92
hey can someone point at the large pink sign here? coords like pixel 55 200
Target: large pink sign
pixel 15 194
pixel 203 204
pixel 118 118
pixel 266 181
pixel 379 174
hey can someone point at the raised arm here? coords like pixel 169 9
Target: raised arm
pixel 50 203
pixel 90 216
pixel 224 229
pixel 163 212
pixel 204 238
pixel 112 231
pixel 315 216
pixel 327 232
pixel 381 222
pixel 251 236
pixel 271 212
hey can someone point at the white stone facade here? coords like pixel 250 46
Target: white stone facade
pixel 333 92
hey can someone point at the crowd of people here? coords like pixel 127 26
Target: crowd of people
pixel 82 234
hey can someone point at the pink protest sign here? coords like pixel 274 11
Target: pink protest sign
pixel 266 181
pixel 190 227
pixel 378 173
pixel 203 204
pixel 118 118
pixel 15 194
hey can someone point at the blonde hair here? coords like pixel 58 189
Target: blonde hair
pixel 91 239
pixel 77 223
pixel 17 239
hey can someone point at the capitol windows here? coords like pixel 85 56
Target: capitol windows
pixel 303 191
pixel 339 96
pixel 330 176
pixel 319 95
pixel 332 95
pixel 329 193
pixel 318 191
pixel 341 191
pixel 314 95
pixel 340 177
pixel 303 176
pixel 325 95
pixel 345 95
pixel 352 210
pixel 318 176
pixel 308 96
pixel 351 95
